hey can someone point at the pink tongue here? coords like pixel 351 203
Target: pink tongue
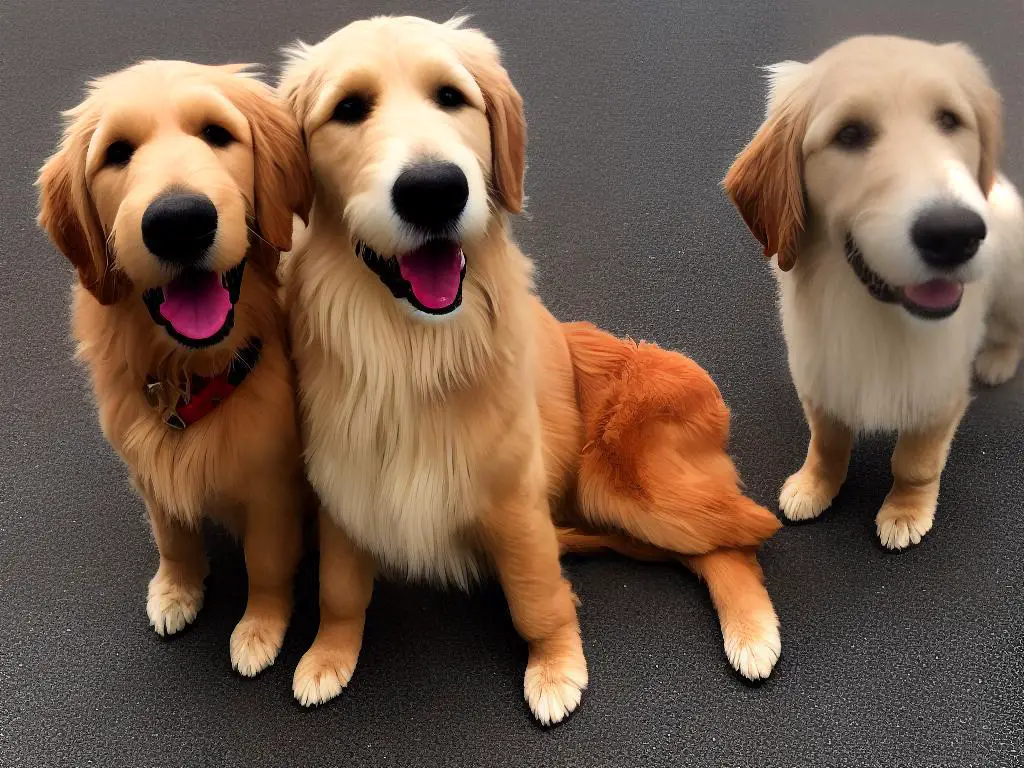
pixel 935 294
pixel 196 306
pixel 434 271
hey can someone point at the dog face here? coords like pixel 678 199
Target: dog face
pixel 168 176
pixel 888 148
pixel 415 136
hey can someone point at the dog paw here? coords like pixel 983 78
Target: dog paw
pixel 753 646
pixel 255 643
pixel 804 496
pixel 322 674
pixel 554 686
pixel 996 365
pixel 901 526
pixel 172 604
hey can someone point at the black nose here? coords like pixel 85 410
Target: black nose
pixel 947 235
pixel 430 195
pixel 179 227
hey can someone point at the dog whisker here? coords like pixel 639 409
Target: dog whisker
pixel 258 236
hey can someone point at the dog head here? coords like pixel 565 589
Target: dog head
pixel 417 142
pixel 168 176
pixel 887 147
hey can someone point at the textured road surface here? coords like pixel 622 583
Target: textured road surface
pixel 635 111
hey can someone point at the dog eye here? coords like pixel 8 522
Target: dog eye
pixel 352 110
pixel 853 136
pixel 948 120
pixel 449 97
pixel 216 135
pixel 119 153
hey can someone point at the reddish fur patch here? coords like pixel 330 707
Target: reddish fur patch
pixel 654 464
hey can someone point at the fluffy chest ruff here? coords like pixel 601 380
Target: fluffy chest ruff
pixel 870 363
pixel 403 492
pixel 404 419
pixel 208 468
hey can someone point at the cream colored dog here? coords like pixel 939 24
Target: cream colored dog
pixel 874 179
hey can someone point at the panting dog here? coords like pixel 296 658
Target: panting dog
pixel 874 182
pixel 172 193
pixel 453 427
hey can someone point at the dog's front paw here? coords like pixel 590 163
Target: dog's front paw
pixel 323 672
pixel 172 604
pixel 255 643
pixel 996 365
pixel 805 495
pixel 899 525
pixel 753 646
pixel 555 682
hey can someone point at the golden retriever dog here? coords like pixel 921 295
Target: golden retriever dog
pixel 172 193
pixel 874 180
pixel 450 422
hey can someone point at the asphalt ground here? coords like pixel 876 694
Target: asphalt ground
pixel 635 112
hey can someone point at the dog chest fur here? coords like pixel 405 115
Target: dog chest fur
pixel 865 362
pixel 401 490
pixel 205 469
pixel 401 446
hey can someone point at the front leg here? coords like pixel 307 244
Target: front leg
pixel 346 584
pixel 810 491
pixel 917 463
pixel 521 541
pixel 272 539
pixel 176 591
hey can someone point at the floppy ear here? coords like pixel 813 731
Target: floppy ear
pixel 282 179
pixel 988 110
pixel 67 214
pixel 504 115
pixel 765 183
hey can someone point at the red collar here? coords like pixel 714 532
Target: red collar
pixel 183 408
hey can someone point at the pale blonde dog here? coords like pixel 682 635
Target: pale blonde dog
pixel 449 419
pixel 172 193
pixel 874 179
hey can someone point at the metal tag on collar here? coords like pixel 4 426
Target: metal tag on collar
pixel 174 421
pixel 153 392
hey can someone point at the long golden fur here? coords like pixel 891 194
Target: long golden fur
pixel 240 464
pixel 445 447
pixel 926 120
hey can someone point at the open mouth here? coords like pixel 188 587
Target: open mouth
pixel 429 277
pixel 197 308
pixel 931 300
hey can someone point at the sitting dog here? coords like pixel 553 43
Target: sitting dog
pixel 450 421
pixel 172 194
pixel 874 180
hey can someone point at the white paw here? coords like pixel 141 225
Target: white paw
pixel 899 526
pixel 553 689
pixel 804 496
pixel 321 675
pixel 997 364
pixel 753 646
pixel 172 605
pixel 255 643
